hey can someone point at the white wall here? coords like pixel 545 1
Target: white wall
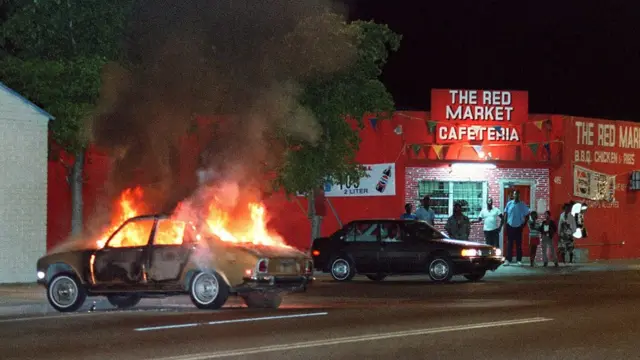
pixel 23 189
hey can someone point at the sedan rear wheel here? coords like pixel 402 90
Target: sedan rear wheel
pixel 65 293
pixel 208 290
pixel 440 269
pixel 342 269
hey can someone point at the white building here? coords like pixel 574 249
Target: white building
pixel 23 186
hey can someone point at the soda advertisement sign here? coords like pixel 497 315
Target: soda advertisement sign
pixel 380 181
pixel 491 116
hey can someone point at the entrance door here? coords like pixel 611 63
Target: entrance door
pixel 525 196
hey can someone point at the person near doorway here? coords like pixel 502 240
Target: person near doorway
pixel 515 213
pixel 566 228
pixel 425 212
pixel 458 225
pixel 492 225
pixel 408 213
pixel 548 230
pixel 534 237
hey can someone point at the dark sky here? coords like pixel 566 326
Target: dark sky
pixel 577 58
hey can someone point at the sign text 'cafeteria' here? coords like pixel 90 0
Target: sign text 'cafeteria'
pixel 478 115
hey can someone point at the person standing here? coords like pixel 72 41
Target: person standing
pixel 491 226
pixel 515 213
pixel 548 231
pixel 425 213
pixel 567 226
pixel 534 237
pixel 408 213
pixel 458 225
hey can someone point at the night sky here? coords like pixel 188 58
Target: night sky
pixel 578 58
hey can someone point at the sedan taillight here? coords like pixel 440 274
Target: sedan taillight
pixel 263 265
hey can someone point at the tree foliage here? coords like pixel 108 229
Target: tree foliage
pixel 350 93
pixel 54 51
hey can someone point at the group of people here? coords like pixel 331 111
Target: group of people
pixel 515 217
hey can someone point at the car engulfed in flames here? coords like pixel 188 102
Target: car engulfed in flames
pixel 209 255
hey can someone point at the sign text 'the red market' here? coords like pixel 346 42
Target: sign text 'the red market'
pixel 489 106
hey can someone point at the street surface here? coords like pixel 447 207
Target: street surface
pixel 566 313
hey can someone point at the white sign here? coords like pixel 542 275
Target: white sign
pixel 592 185
pixel 380 181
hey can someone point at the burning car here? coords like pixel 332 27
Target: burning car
pixel 160 255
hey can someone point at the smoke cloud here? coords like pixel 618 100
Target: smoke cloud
pixel 245 60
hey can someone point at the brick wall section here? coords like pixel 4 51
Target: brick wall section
pixel 415 174
pixel 23 193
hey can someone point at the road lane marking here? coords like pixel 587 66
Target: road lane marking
pixel 353 339
pixel 232 321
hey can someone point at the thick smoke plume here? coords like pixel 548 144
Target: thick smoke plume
pixel 242 61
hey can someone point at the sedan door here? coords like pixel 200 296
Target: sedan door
pixel 171 249
pixel 362 242
pixel 122 261
pixel 399 252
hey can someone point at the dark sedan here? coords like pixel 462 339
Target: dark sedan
pixel 378 248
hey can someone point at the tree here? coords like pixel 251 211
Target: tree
pixel 53 53
pixel 350 92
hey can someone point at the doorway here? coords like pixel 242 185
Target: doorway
pixel 526 195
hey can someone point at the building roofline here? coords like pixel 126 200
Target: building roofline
pixel 26 101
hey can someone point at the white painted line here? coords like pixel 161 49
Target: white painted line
pixel 221 322
pixel 352 339
pixel 65 316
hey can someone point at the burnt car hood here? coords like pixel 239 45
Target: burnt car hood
pixel 273 251
pixel 463 243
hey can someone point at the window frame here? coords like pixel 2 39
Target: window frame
pixel 153 221
pixel 450 182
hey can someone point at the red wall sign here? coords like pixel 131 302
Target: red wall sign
pixel 479 115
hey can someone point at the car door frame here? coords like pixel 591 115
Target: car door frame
pixel 366 255
pixel 399 257
pixel 187 250
pixel 144 259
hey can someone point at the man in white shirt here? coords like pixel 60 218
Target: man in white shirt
pixel 425 213
pixel 492 225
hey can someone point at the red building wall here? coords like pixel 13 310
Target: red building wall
pixel 611 225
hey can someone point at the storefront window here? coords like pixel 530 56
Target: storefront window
pixel 472 195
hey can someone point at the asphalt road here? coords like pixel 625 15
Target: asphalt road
pixel 571 316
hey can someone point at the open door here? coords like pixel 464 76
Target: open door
pixel 525 196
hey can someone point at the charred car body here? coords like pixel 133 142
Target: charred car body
pixel 378 248
pixel 175 260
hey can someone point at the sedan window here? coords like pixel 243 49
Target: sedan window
pixel 133 234
pixel 390 232
pixel 169 232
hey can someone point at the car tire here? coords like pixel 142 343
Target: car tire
pixel 476 276
pixel 124 301
pixel 376 277
pixel 440 269
pixel 342 269
pixel 257 300
pixel 65 293
pixel 208 291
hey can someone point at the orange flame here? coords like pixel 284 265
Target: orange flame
pixel 219 222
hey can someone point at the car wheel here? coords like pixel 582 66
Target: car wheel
pixel 65 293
pixel 208 290
pixel 376 277
pixel 342 269
pixel 124 301
pixel 476 276
pixel 440 269
pixel 257 300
